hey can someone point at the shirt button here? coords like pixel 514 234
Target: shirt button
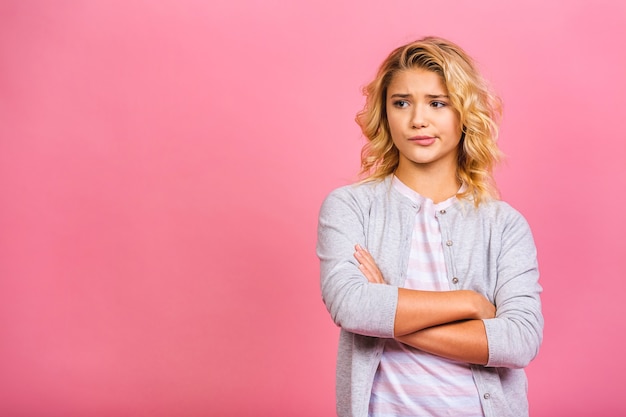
pixel 449 243
pixel 455 280
pixel 486 396
pixel 442 212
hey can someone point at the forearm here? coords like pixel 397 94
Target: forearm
pixel 464 341
pixel 418 310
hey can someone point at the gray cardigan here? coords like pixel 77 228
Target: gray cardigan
pixel 489 249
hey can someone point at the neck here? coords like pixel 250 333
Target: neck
pixel 436 184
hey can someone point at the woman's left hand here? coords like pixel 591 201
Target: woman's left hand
pixel 367 265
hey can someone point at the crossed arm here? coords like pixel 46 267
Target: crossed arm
pixel 444 323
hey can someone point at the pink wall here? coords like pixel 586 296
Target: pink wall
pixel 161 168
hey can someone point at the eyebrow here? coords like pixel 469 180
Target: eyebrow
pixel 432 96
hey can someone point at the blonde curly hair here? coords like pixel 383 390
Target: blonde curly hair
pixel 478 108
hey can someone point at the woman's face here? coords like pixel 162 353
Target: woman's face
pixel 423 124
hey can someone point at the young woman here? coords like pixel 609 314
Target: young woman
pixel 431 278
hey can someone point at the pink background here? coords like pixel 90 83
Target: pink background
pixel 161 168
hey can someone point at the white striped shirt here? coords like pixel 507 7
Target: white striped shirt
pixel 410 382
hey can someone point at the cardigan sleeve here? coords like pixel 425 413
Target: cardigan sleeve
pixel 354 304
pixel 515 334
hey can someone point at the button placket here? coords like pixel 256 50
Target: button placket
pixel 449 243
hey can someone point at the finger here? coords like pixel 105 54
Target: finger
pixel 367 258
pixel 371 275
pixel 368 266
pixel 363 265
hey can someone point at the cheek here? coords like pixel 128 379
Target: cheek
pixel 454 125
pixel 394 122
pixel 395 132
pixel 457 123
pixel 459 131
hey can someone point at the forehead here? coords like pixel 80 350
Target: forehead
pixel 417 81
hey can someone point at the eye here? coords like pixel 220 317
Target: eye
pixel 401 104
pixel 438 104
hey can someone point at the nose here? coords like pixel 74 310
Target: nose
pixel 419 119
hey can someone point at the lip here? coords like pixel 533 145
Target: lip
pixel 423 140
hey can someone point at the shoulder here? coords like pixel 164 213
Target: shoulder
pixel 356 195
pixel 501 207
pixel 495 209
pixel 497 213
pixel 505 218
